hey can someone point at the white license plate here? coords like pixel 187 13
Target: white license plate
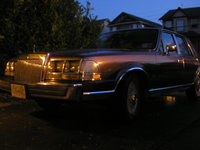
pixel 18 91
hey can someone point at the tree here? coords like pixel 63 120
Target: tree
pixel 49 25
pixel 5 7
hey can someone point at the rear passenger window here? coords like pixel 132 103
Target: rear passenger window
pixel 184 49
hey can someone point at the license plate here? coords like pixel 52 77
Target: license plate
pixel 18 91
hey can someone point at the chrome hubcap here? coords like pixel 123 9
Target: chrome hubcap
pixel 132 98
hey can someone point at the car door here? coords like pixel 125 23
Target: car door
pixel 190 62
pixel 169 63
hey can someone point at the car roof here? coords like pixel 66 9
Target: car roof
pixel 146 28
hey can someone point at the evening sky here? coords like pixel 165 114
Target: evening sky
pixel 148 9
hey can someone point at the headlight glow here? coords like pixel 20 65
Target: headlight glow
pixel 10 68
pixel 58 69
pixel 63 69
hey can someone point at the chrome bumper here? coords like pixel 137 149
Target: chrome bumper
pixel 48 90
pixel 62 91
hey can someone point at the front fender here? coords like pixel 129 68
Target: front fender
pixel 138 70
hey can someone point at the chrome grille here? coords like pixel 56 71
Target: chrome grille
pixel 28 70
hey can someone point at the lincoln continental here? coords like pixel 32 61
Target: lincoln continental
pixel 126 65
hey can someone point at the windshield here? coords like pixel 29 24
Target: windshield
pixel 136 39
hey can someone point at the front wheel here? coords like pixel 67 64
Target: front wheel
pixel 132 96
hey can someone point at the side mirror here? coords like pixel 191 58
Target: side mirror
pixel 171 48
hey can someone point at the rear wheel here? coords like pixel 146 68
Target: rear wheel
pixel 194 91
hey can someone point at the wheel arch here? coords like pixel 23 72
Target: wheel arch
pixel 141 75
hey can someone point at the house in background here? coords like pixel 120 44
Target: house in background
pixel 105 25
pixel 128 21
pixel 185 21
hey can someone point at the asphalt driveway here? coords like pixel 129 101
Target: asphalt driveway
pixel 166 123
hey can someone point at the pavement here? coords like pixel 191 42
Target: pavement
pixel 167 122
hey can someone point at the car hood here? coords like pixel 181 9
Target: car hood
pixel 94 52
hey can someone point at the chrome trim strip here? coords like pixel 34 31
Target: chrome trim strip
pixel 44 70
pixel 131 69
pixel 77 85
pixel 98 92
pixel 170 87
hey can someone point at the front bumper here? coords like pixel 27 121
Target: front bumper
pixel 61 91
pixel 48 90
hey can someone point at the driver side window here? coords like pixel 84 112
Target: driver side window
pixel 168 40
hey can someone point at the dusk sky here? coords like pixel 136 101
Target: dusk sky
pixel 148 9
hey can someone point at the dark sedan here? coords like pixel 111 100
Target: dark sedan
pixel 129 64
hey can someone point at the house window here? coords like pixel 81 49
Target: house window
pixel 134 26
pixel 168 24
pixel 140 25
pixel 113 29
pixel 180 25
pixel 121 27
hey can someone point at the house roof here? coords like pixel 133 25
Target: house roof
pixel 189 12
pixel 102 20
pixel 131 19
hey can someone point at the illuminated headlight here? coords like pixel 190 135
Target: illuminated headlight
pixel 63 69
pixel 10 68
pixel 56 66
pixel 73 70
pixel 90 70
pixel 55 69
pixel 71 66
